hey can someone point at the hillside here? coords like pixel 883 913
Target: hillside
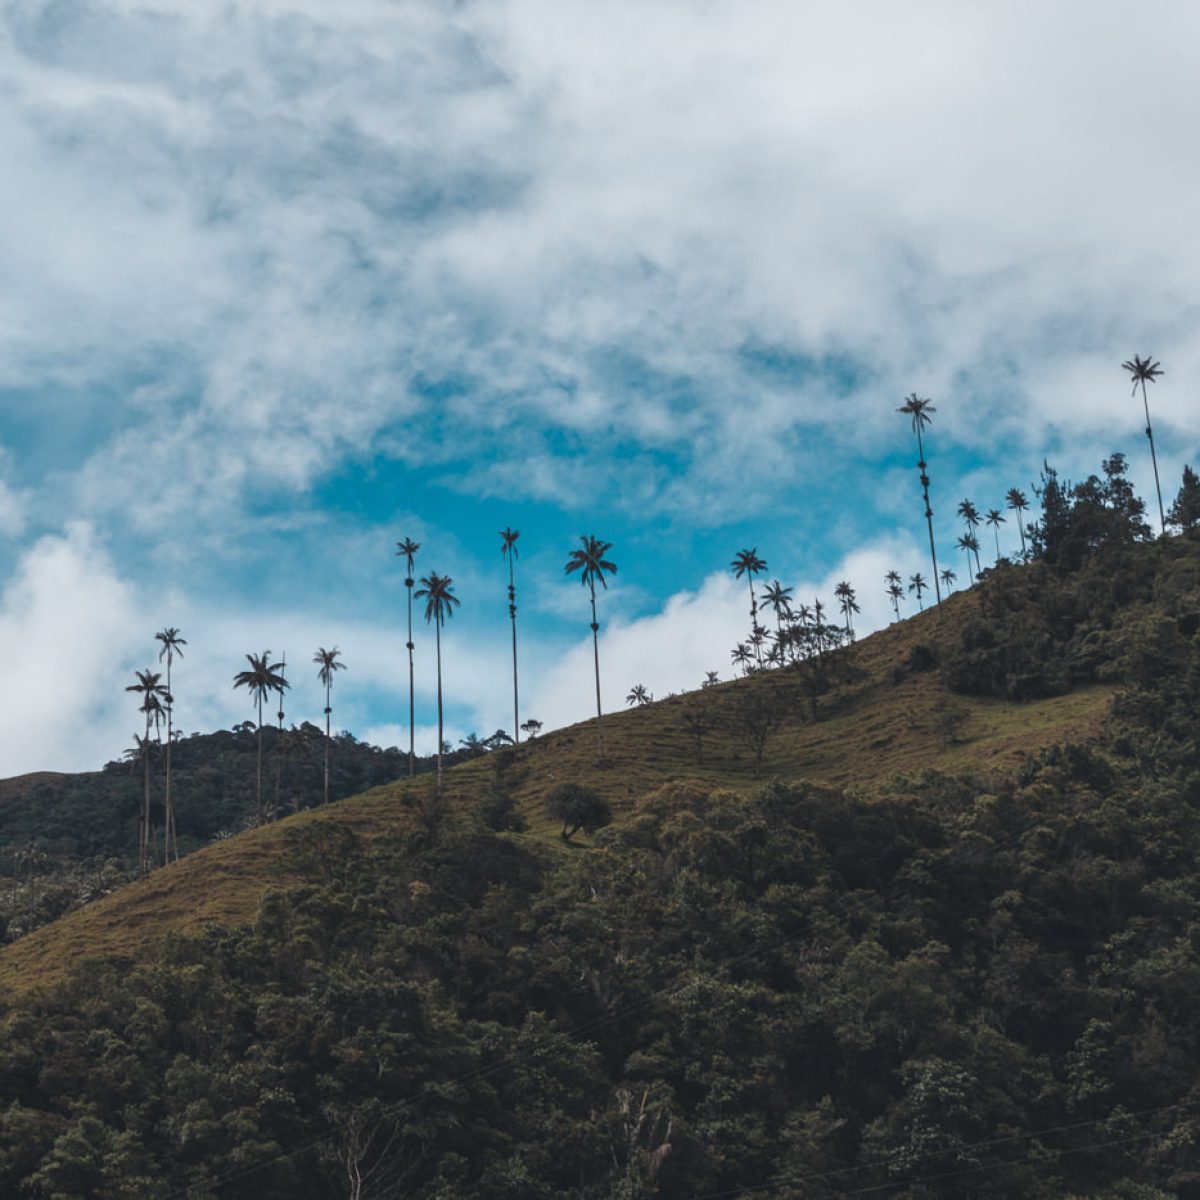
pixel 943 941
pixel 884 717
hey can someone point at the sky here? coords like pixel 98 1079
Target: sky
pixel 284 282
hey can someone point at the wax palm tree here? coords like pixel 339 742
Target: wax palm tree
pixel 638 695
pixel 919 411
pixel 741 656
pixel 592 566
pixel 152 693
pixel 327 660
pixel 916 583
pixel 1143 371
pixel 848 602
pixel 172 645
pixel 508 549
pixel 995 518
pixel 780 600
pixel 261 679
pixel 948 578
pixel 1018 502
pixel 279 742
pixel 969 543
pixel 747 562
pixel 408 551
pixel 970 514
pixel 895 590
pixel 438 593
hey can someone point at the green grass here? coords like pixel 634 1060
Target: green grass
pixel 880 722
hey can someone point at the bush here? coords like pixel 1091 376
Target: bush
pixel 578 807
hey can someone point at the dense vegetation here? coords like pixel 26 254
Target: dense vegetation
pixel 978 985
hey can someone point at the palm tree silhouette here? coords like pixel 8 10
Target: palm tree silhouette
pixel 638 695
pixel 919 411
pixel 995 519
pixel 408 551
pixel 948 578
pixel 1144 370
pixel 970 514
pixel 152 693
pixel 279 744
pixel 261 679
pixel 440 600
pixel 171 646
pixel 747 562
pixel 916 583
pixel 327 660
pixel 590 562
pixel 968 543
pixel 895 590
pixel 508 549
pixel 1018 502
pixel 846 598
pixel 780 600
pixel 742 657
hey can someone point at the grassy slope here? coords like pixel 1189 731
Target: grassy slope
pixel 870 728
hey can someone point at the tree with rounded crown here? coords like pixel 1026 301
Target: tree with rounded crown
pixel 327 661
pixel 408 551
pixel 995 518
pixel 152 693
pixel 172 645
pixel 508 550
pixel 919 410
pixel 438 593
pixel 592 566
pixel 747 562
pixel 1018 502
pixel 916 583
pixel 848 602
pixel 260 679
pixel 1143 371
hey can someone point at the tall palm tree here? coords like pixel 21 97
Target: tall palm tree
pixel 849 604
pixel 1143 371
pixel 747 562
pixel 279 744
pixel 916 583
pixel 919 411
pixel 948 578
pixel 327 660
pixel 408 551
pixel 591 564
pixel 508 549
pixel 895 590
pixel 780 600
pixel 1018 502
pixel 995 519
pixel 261 679
pixel 171 646
pixel 438 593
pixel 152 693
pixel 970 514
pixel 968 543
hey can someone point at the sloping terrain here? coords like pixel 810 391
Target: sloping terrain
pixel 887 710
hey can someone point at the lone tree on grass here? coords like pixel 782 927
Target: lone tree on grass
pixel 578 807
pixel 592 566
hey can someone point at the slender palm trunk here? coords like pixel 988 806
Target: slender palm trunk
pixel 1021 531
pixel 512 612
pixel 928 512
pixel 970 573
pixel 438 630
pixel 412 758
pixel 144 823
pixel 596 656
pixel 328 710
pixel 258 774
pixel 753 619
pixel 169 839
pixel 1162 521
